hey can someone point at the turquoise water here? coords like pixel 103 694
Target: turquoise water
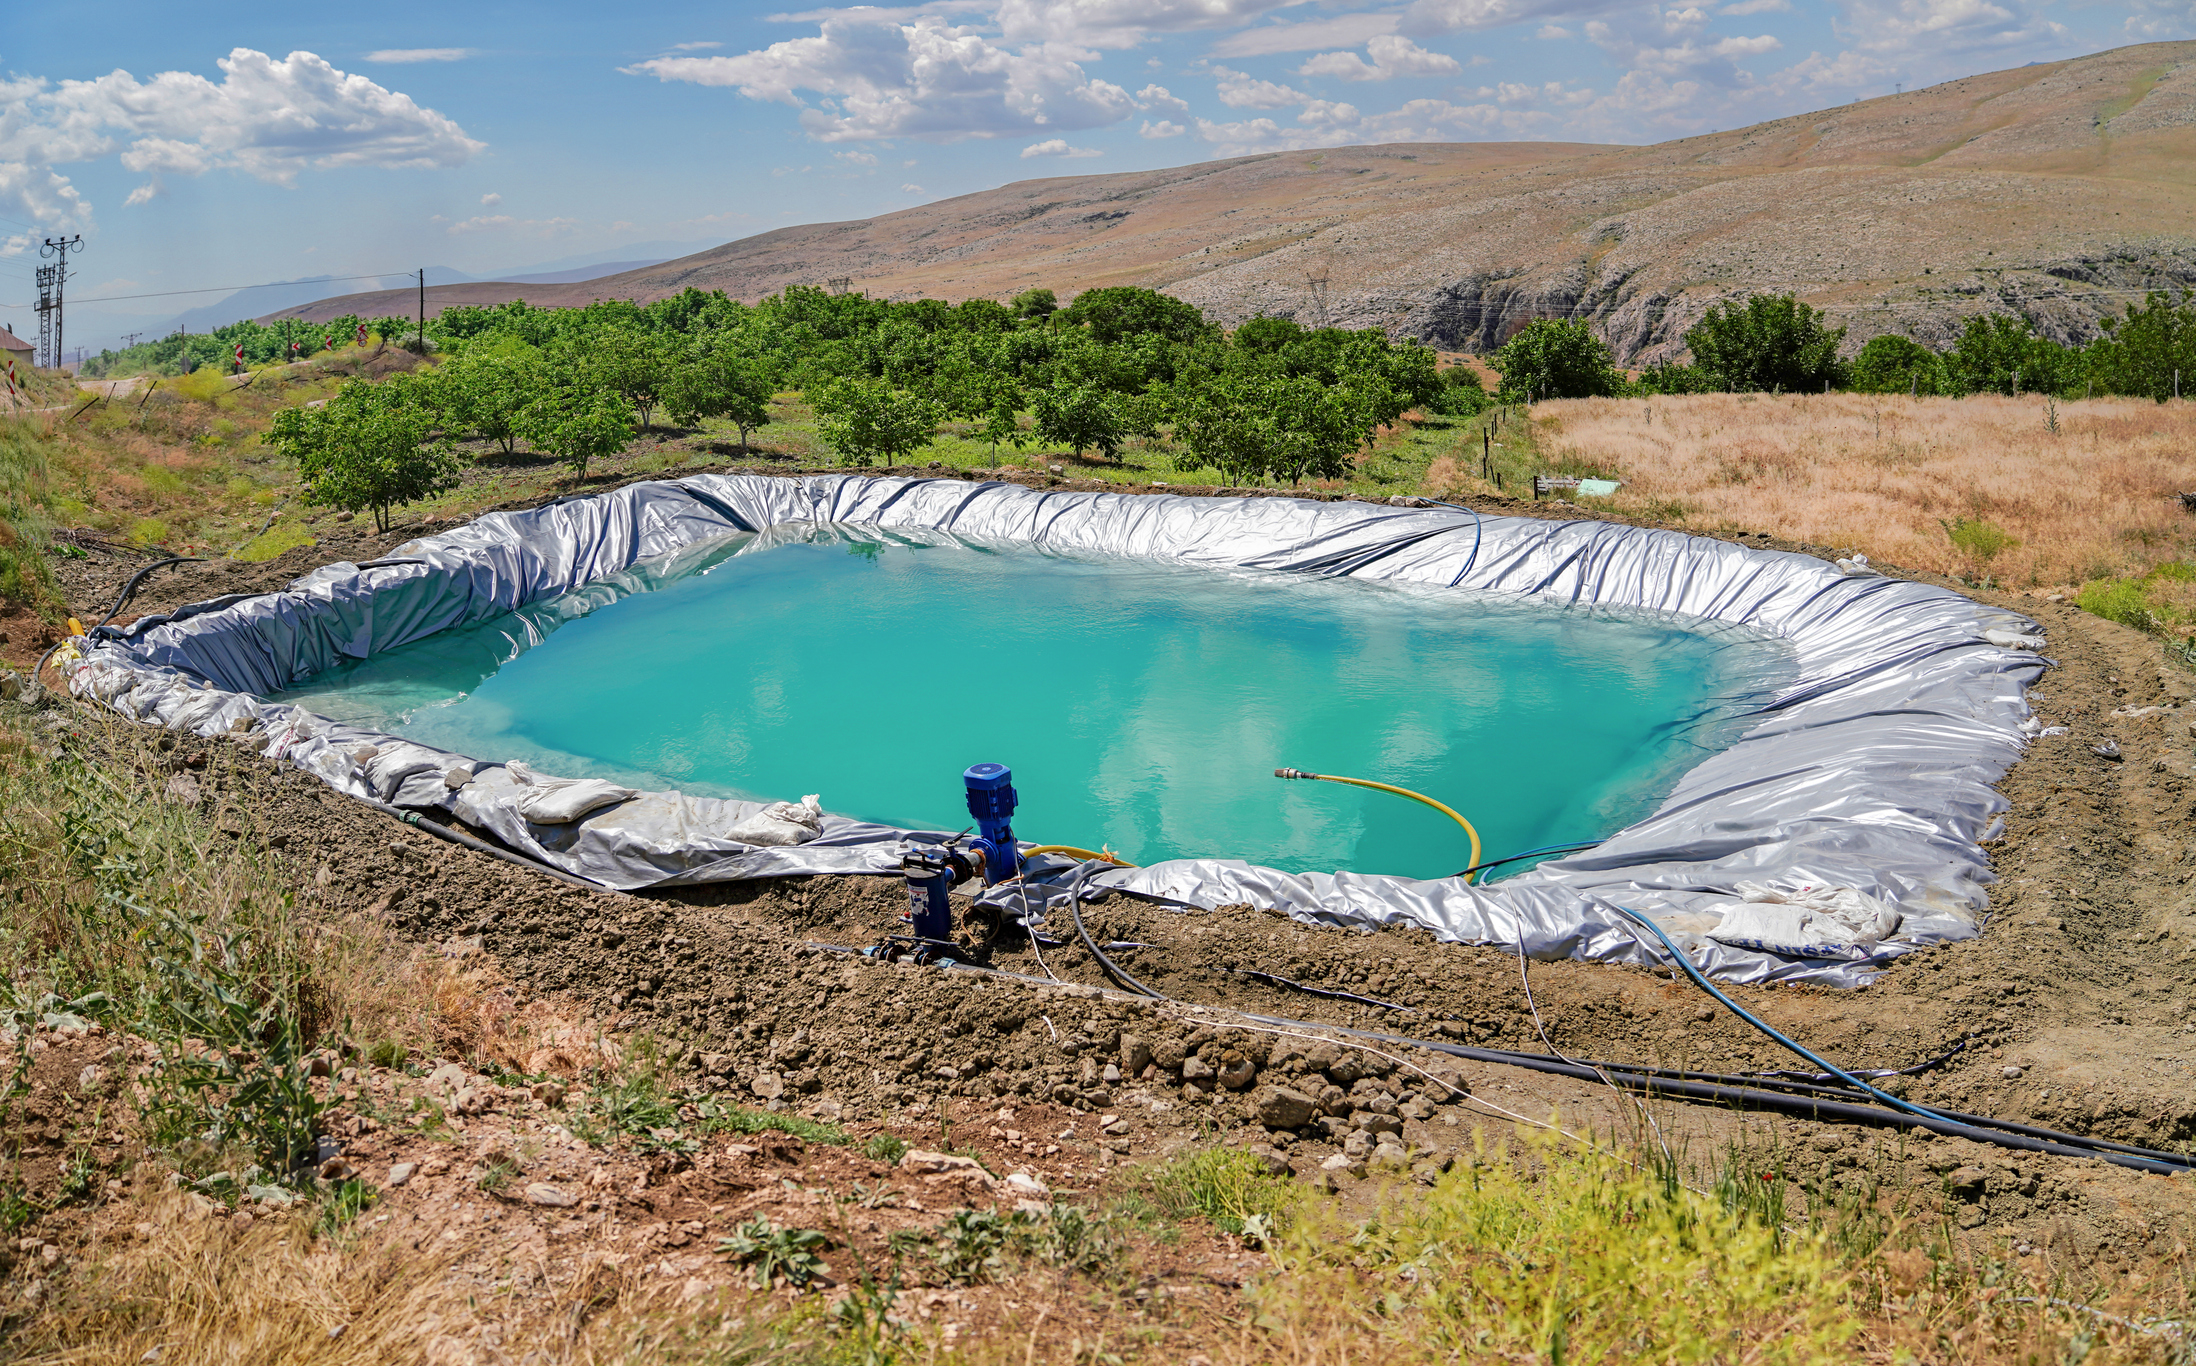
pixel 1139 704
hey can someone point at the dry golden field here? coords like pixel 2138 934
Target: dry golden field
pixel 1925 484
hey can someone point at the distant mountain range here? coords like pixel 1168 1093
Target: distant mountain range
pixel 293 294
pixel 2057 191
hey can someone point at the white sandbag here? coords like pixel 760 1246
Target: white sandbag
pixel 1806 921
pixel 560 801
pixel 781 823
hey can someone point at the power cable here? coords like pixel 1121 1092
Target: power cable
pixel 223 289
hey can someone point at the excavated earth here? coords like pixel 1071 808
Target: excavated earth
pixel 2071 1010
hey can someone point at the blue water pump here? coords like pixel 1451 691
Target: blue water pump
pixel 933 872
pixel 991 800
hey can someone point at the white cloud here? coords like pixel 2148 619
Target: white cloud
pixel 1943 27
pixel 489 201
pixel 1391 56
pixel 1552 32
pixel 856 158
pixel 1164 128
pixel 912 188
pixel 400 56
pixel 922 79
pixel 1058 147
pixel 525 227
pixel 271 119
pixel 1343 30
pixel 1425 17
pixel 1745 7
pixel 1159 99
pixel 1241 90
pixel 1121 23
pixel 2162 18
pixel 694 47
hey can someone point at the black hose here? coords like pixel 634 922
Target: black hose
pixel 460 838
pixel 2002 1133
pixel 129 590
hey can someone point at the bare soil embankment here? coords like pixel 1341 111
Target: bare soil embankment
pixel 2071 1010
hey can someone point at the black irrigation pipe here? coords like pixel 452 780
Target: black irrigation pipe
pixel 479 846
pixel 129 590
pixel 2023 1137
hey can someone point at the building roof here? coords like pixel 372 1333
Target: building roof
pixel 10 342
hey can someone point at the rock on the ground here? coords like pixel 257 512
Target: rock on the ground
pixel 401 1173
pixel 542 1193
pixel 1279 1107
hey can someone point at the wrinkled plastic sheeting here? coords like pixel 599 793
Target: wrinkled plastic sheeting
pixel 1872 770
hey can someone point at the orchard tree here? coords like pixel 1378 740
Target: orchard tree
pixel 1771 342
pixel 721 380
pixel 1556 358
pixel 2151 352
pixel 1892 364
pixel 1077 416
pixel 867 420
pixel 483 390
pixel 577 423
pixel 371 446
pixel 2001 354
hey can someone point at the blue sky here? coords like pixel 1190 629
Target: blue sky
pixel 201 148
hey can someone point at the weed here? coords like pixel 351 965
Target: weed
pixel 342 1203
pixel 788 1255
pixel 385 1053
pixel 884 1148
pixel 635 1106
pixel 1073 1239
pixel 1979 540
pixel 739 1119
pixel 878 1196
pixel 971 1245
pixel 1225 1185
pixel 497 1176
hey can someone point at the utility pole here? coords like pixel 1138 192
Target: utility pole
pixel 423 310
pixel 57 249
pixel 129 339
pixel 47 356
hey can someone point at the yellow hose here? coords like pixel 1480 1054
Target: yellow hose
pixel 1400 792
pixel 1107 854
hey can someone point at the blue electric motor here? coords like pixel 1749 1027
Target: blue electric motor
pixel 991 800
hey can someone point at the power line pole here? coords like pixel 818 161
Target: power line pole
pixel 57 249
pixel 47 356
pixel 423 310
pixel 129 339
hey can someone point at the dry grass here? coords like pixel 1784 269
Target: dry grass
pixel 1885 474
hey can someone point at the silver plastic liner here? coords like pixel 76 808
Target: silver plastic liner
pixel 1868 778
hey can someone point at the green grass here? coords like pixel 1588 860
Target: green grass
pixel 279 539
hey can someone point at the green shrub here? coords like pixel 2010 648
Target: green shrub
pixel 2120 600
pixel 1228 1186
pixel 1771 342
pixel 1979 540
pixel 867 420
pixel 1555 358
pixel 777 1256
pixel 1892 364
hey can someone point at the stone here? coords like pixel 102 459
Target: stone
pixel 549 1093
pixel 1279 1107
pixel 449 1079
pixel 716 1064
pixel 474 1100
pixel 1343 1162
pixel 1391 1157
pixel 1418 1107
pixel 2012 1074
pixel 548 1196
pixel 768 1085
pixel 318 1066
pixel 400 1174
pixel 434 1166
pixel 1238 1075
pixel 1373 1123
pixel 1135 1054
pixel 1027 1186
pixel 1429 1172
pixel 1197 1072
pixel 336 1169
pixel 1274 1163
pixel 1357 1145
pixel 1968 1181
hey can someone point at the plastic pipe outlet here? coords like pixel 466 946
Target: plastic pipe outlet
pixel 991 800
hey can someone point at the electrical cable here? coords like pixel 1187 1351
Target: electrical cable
pixel 1530 853
pixel 129 590
pixel 2017 1136
pixel 478 846
pixel 1479 531
pixel 1701 981
pixel 1400 792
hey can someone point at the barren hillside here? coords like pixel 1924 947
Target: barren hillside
pixel 2051 190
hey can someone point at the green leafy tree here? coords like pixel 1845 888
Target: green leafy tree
pixel 1674 377
pixel 2001 354
pixel 371 446
pixel 577 423
pixel 1035 305
pixel 1119 312
pixel 1891 364
pixel 1077 416
pixel 2144 353
pixel 1463 392
pixel 720 379
pixel 1250 425
pixel 1002 425
pixel 627 360
pixel 483 390
pixel 1770 342
pixel 1556 358
pixel 867 420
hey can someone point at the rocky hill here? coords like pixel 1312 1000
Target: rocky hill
pixel 2053 190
